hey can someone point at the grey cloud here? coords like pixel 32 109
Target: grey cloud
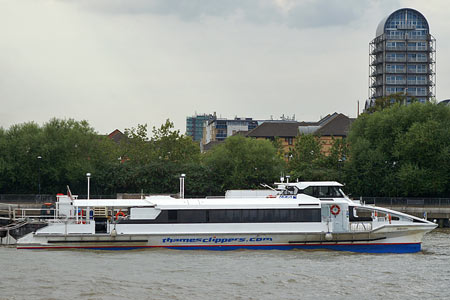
pixel 298 14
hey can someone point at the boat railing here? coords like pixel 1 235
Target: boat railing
pixel 36 213
pixel 360 226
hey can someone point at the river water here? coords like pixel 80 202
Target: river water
pixel 244 274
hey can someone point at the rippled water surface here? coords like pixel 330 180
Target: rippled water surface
pixel 244 274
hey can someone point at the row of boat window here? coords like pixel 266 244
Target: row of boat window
pixel 233 216
pixel 315 191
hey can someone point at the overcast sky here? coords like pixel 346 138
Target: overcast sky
pixel 119 63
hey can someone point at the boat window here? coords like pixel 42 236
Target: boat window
pixel 188 215
pixel 264 215
pixel 233 216
pixel 290 190
pixel 172 215
pixel 323 191
pixel 359 215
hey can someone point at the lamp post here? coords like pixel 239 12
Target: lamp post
pixel 88 213
pixel 182 185
pixel 39 176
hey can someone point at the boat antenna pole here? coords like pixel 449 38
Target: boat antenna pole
pixel 69 192
pixel 267 186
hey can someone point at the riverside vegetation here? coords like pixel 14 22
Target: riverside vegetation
pixel 397 151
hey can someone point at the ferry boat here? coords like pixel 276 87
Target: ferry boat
pixel 304 215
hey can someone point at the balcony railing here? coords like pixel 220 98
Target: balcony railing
pixel 395 81
pixel 415 71
pixel 377 61
pixel 377 72
pixel 396 59
pixel 417 48
pixel 376 83
pixel 417 93
pixel 417 82
pixel 406 26
pixel 416 37
pixel 396 71
pixel 417 59
pixel 396 48
pixel 391 93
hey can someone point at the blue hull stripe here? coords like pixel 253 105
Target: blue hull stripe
pixel 362 248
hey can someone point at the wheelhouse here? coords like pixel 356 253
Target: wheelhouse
pixel 319 190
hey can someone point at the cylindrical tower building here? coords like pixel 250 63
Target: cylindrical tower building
pixel 402 58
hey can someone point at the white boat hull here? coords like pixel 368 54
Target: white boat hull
pixel 386 239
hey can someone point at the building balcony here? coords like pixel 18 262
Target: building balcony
pixel 417 93
pixel 377 83
pixel 413 71
pixel 396 48
pixel 396 59
pixel 377 95
pixel 377 50
pixel 424 59
pixel 418 82
pixel 417 48
pixel 396 71
pixel 396 82
pixel 376 73
pixel 392 93
pixel 406 27
pixel 417 37
pixel 376 62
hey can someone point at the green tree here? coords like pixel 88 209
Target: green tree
pixel 68 150
pixel 389 101
pixel 168 144
pixel 152 164
pixel 165 144
pixel 20 146
pixel 401 151
pixel 334 162
pixel 278 144
pixel 243 163
pixel 308 162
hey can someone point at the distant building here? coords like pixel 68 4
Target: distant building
pixel 117 136
pixel 196 124
pixel 218 129
pixel 285 131
pixel 327 129
pixel 402 58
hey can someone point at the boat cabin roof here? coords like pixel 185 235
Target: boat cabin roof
pixel 112 202
pixel 305 184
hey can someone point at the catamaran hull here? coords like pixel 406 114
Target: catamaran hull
pixel 387 241
pixel 352 247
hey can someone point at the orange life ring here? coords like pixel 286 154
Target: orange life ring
pixel 271 196
pixel 120 213
pixel 335 209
